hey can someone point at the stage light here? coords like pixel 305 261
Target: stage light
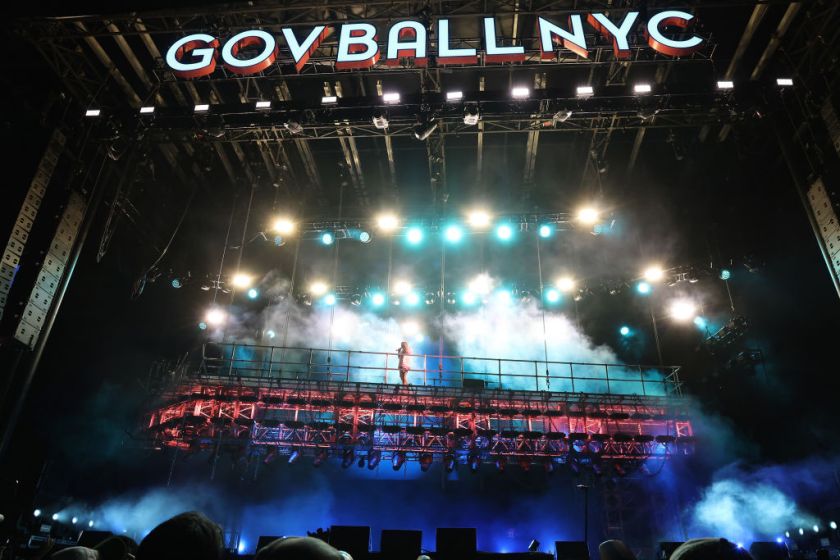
pixel 387 222
pixel 412 299
pixel 740 545
pixel 588 215
pixel 93 112
pixel 91 523
pixel 504 297
pixel 365 237
pixel 380 121
pixel 202 108
pixel 329 299
pixel 263 104
pixel 454 95
pixel 784 82
pixel 504 232
pixel 430 298
pixel 475 462
pixel 398 460
pixel 478 219
pixel 654 274
pixel 545 231
pixel 481 284
pixel 423 130
pixel 801 531
pixel 391 98
pixel 426 460
pixel 377 299
pixel 585 91
pixel 318 288
pixel 501 463
pixel 562 116
pixel 374 456
pixel 202 326
pixel 700 323
pixel 780 540
pixel 643 288
pixel 36 513
pixel 453 234
pixel 833 525
pixel 552 295
pixel 449 462
pixel 401 287
pixel 270 334
pixel 283 226
pixel 520 93
pixel 787 534
pixel 410 328
pixel 329 100
pixel 55 517
pixel 816 528
pixel 293 126
pixel 625 330
pixel 74 520
pixel 253 293
pixel 725 84
pixel 177 283
pixel 725 274
pixel 215 317
pixel 241 280
pixel 147 110
pixel 327 238
pixel 566 284
pixel 348 457
pixel 642 88
pixel 682 310
pixel 468 298
pixel 471 115
pixel 414 235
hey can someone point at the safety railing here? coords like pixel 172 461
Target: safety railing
pixel 273 362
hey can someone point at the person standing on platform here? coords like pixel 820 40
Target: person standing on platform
pixel 403 352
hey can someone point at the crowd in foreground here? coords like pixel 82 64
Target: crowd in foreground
pixel 192 536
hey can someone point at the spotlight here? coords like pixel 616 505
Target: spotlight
pixel 475 462
pixel 468 298
pixel 318 288
pixel 552 295
pixel 387 222
pixel 654 274
pixel 348 457
pixel 534 546
pixel 643 288
pixel 329 100
pixel 398 460
pixel 202 108
pixel 380 121
pixel 391 97
pixel 294 456
pixel 642 88
pixel 625 331
pixel 833 525
pixel 449 462
pixel 478 219
pixel 365 237
pixel 374 456
pixel 91 523
pixel 779 540
pixel 431 298
pixel 504 232
pixel 241 280
pixel 283 226
pixel 147 110
pixel 816 528
pixel 263 105
pixel 414 235
pixel 401 287
pixel 253 293
pixel 585 91
pixel 683 310
pixel 453 234
pixel 784 82
pixel 545 231
pixel 426 460
pixel 377 299
pixel 55 517
pixel 471 115
pixel 562 116
pixel 454 95
pixel 787 534
pixel 423 130
pixel 588 215
pixel 177 283
pixel 329 299
pixel 202 326
pixel 520 93
pixel 412 299
pixel 93 112
pixel 481 284
pixel 566 284
pixel 320 457
pixel 725 84
pixel 501 463
pixel 327 238
pixel 801 531
pixel 725 274
pixel 215 317
pixel 700 323
pixel 293 126
pixel 740 545
pixel 270 334
pixel 36 513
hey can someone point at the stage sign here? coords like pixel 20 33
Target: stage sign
pixel 196 55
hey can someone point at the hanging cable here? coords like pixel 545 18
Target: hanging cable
pixel 224 249
pixel 542 307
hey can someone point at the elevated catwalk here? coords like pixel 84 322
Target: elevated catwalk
pixel 291 401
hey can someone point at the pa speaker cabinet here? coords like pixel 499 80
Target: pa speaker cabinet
pixel 762 550
pixel 400 545
pixel 667 548
pixel 571 550
pixel 353 540
pixel 455 544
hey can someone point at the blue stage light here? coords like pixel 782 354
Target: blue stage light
pixel 202 326
pixel 545 231
pixel 833 525
pixel 414 235
pixel 468 298
pixel 504 232
pixel 329 299
pixel 780 540
pixel 552 295
pixel 700 323
pixel 377 299
pixel 270 334
pixel 644 288
pixel 725 274
pixel 253 293
pixel 412 299
pixel 176 283
pixel 327 238
pixel 625 330
pixel 453 234
pixel 364 237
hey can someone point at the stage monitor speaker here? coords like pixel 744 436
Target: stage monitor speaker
pixel 571 550
pixel 666 549
pixel 90 539
pixel 762 550
pixel 474 384
pixel 265 540
pixel 353 540
pixel 400 545
pixel 458 544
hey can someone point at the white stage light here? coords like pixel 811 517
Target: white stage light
pixel 784 82
pixel 520 93
pixel 588 215
pixel 263 104
pixel 585 91
pixel 481 285
pixel 391 98
pixel 283 226
pixel 147 110
pixel 682 310
pixel 329 100
pixel 566 284
pixel 478 219
pixel 387 222
pixel 402 287
pixel 454 95
pixel 93 112
pixel 215 316
pixel 202 108
pixel 318 288
pixel 241 280
pixel 642 88
pixel 725 84
pixel 654 273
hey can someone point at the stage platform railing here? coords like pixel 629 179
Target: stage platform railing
pixel 245 361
